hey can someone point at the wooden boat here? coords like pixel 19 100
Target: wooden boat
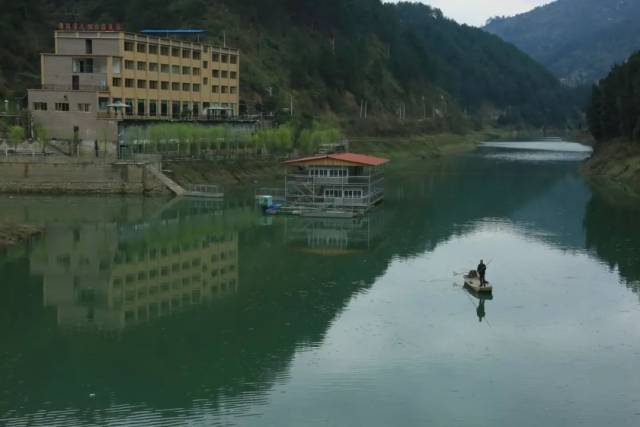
pixel 473 283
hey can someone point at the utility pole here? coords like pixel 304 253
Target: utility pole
pixel 366 108
pixel 291 105
pixel 424 109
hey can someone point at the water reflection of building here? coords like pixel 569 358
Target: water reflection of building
pixel 333 236
pixel 96 280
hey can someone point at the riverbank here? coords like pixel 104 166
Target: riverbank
pixel 615 163
pixel 269 171
pixel 12 234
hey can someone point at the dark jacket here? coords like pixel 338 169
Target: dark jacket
pixel 482 268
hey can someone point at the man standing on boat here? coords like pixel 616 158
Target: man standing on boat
pixel 482 270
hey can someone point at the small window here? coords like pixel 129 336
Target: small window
pixel 205 64
pixel 84 108
pixel 215 89
pixel 215 74
pixel 128 82
pixel 128 46
pixel 175 69
pixel 224 58
pixel 153 66
pixel 142 66
pixel 117 82
pixel 164 68
pixel 232 89
pixel 88 46
pixel 215 57
pixel 233 59
pixel 225 74
pixel 223 89
pixel 186 70
pixel 196 54
pixel 164 50
pixel 40 106
pixel 175 86
pixel 153 84
pixel 205 81
pixel 196 71
pixel 128 64
pixel 233 75
pixel 196 87
pixel 175 51
pixel 62 106
pixel 153 49
pixel 186 87
pixel 141 48
pixel 142 84
pixel 164 85
pixel 186 53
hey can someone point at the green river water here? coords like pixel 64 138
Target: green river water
pixel 149 312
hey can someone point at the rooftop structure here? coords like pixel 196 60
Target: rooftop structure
pixel 99 76
pixel 335 181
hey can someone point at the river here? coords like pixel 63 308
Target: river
pixel 132 311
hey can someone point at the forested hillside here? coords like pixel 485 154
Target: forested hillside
pixel 614 112
pixel 331 56
pixel 579 40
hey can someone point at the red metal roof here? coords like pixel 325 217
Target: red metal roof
pixel 360 159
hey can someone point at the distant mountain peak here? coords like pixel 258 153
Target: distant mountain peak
pixel 578 40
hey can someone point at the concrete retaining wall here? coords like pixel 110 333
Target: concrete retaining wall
pixel 78 177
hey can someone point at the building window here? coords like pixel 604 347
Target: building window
pixel 233 89
pixel 224 58
pixel 164 85
pixel 233 75
pixel 233 59
pixel 164 108
pixel 141 112
pixel 205 64
pixel 141 48
pixel 186 87
pixel 128 82
pixel 142 66
pixel 83 65
pixel 186 70
pixel 175 51
pixel 153 49
pixel 196 87
pixel 205 81
pixel 116 65
pixel 196 54
pixel 225 74
pixel 62 106
pixel 153 84
pixel 153 108
pixel 164 50
pixel 88 46
pixel 129 108
pixel 223 89
pixel 142 84
pixel 153 66
pixel 215 89
pixel 84 108
pixel 128 46
pixel 128 64
pixel 352 194
pixel 196 71
pixel 215 74
pixel 186 53
pixel 175 86
pixel 40 106
pixel 116 82
pixel 215 57
pixel 164 68
pixel 175 69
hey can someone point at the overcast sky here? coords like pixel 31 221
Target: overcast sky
pixel 476 12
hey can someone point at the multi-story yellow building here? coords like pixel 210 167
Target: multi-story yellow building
pixel 97 78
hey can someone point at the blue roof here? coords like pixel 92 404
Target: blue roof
pixel 174 31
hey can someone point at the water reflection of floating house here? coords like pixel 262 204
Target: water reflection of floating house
pixel 339 182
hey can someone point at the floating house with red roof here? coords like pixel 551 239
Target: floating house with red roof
pixel 338 181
